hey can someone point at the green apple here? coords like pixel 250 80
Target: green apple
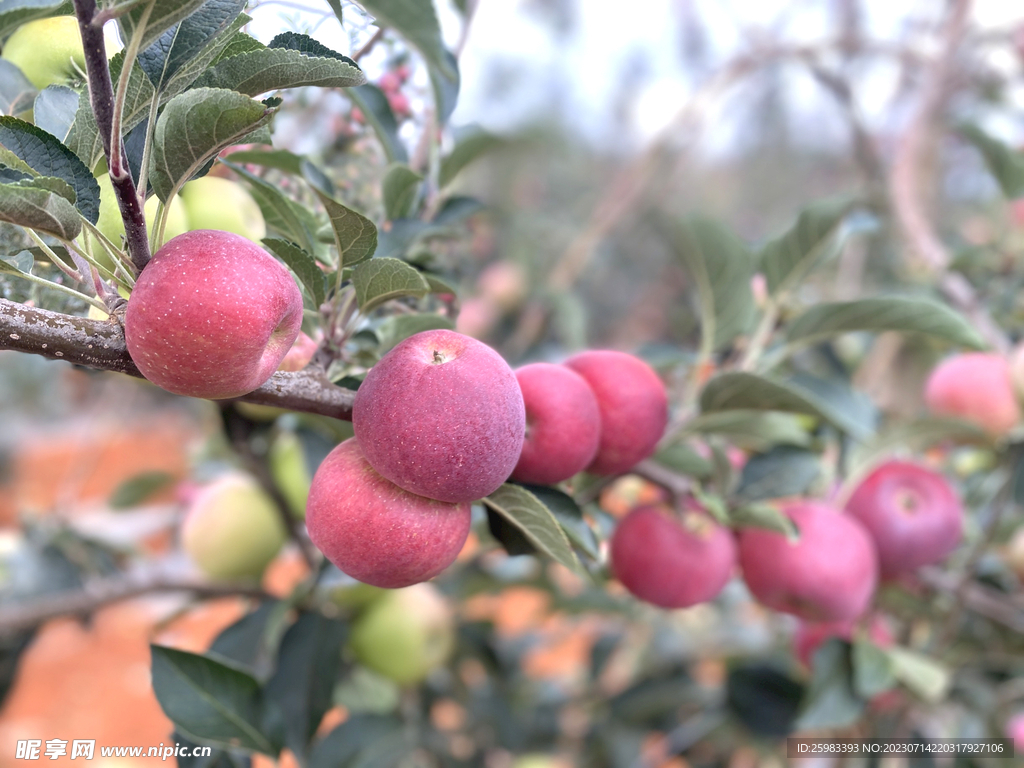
pixel 232 529
pixel 47 51
pixel 405 634
pixel 289 470
pixel 212 203
pixel 111 225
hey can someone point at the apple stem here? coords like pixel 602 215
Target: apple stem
pixel 101 96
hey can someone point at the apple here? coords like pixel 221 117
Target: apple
pixel 441 415
pixel 214 203
pixel 211 315
pixel 670 560
pixel 477 317
pixel 288 468
pixel 300 354
pixel 633 405
pixel 389 82
pixel 976 387
pixel 47 51
pixel 232 529
pixel 912 513
pixel 563 424
pixel 810 635
pixel 1015 731
pixel 406 634
pixel 504 284
pixel 829 574
pixel 111 225
pixel 373 530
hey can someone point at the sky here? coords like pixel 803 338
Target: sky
pixel 617 77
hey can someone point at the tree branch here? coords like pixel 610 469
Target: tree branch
pixel 96 594
pixel 100 344
pixel 101 96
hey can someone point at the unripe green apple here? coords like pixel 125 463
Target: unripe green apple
pixel 47 51
pixel 290 473
pixel 213 203
pixel 405 634
pixel 232 529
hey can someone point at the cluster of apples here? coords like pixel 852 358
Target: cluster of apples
pixel 442 421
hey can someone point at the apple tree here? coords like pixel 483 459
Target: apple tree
pixel 761 466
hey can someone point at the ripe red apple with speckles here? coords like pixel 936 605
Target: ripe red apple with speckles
pixel 212 315
pixel 376 532
pixel 633 406
pixel 672 560
pixel 912 513
pixel 563 424
pixel 829 574
pixel 441 415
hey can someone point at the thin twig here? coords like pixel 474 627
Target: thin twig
pixel 369 44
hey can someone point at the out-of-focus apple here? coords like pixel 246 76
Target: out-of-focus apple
pixel 503 283
pixel 288 468
pixel 405 634
pixel 212 315
pixel 977 387
pixel 299 355
pixel 232 529
pixel 811 634
pixel 47 51
pixel 111 225
pixel 225 205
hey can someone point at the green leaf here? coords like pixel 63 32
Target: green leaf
pixel 759 515
pixel 752 430
pixel 888 313
pixel 209 700
pixel 375 108
pixel 416 21
pixel 788 259
pixel 748 391
pixel 193 128
pixel 397 328
pixel 272 69
pixel 355 236
pixel 872 669
pixel 400 187
pixel 525 511
pixel 783 471
pixel 16 92
pixel 685 460
pixel 84 138
pixel 470 143
pixel 1003 161
pixel 239 43
pixel 922 674
pixel 28 205
pixel 137 489
pixel 357 741
pixel 253 640
pixel 14 13
pixel 282 215
pixel 21 264
pixel 54 110
pixel 280 159
pixel 303 265
pixel 569 515
pixel 831 701
pixel 307 664
pixel 379 280
pixel 164 15
pixel 45 155
pixel 720 266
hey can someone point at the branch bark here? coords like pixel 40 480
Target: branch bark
pixel 100 344
pixel 101 96
pixel 96 594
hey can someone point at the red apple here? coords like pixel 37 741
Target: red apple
pixel 399 104
pixel 563 424
pixel 829 574
pixel 669 560
pixel 376 532
pixel 811 634
pixel 633 405
pixel 389 82
pixel 441 415
pixel 212 315
pixel 976 387
pixel 299 355
pixel 912 513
